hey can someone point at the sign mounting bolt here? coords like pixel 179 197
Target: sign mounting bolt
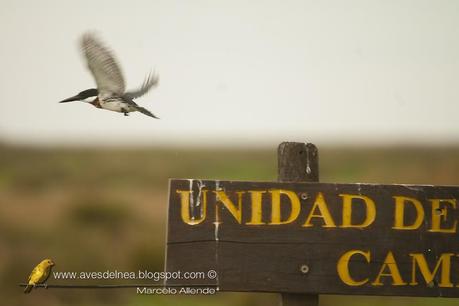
pixel 304 269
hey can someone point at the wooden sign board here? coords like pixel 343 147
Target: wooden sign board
pixel 316 238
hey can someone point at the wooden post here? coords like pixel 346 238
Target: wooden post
pixel 298 162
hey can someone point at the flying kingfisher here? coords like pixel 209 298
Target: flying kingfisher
pixel 110 93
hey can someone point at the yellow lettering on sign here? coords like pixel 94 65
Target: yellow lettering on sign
pixel 391 264
pixel 235 211
pixel 324 213
pixel 256 207
pixel 347 210
pixel 444 261
pixel 399 222
pixel 276 206
pixel 185 207
pixel 439 213
pixel 343 267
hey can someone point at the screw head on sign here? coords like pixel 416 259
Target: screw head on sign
pixel 304 269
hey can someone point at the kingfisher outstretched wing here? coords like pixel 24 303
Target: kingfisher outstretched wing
pixel 151 81
pixel 103 66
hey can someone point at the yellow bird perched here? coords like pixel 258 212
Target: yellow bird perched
pixel 39 274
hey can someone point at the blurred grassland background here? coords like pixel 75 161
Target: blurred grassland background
pixel 97 209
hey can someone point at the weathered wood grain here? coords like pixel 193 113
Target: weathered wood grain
pixel 269 257
pixel 298 162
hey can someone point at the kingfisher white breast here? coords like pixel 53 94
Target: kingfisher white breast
pixel 116 105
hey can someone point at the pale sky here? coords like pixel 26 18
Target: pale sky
pixel 252 71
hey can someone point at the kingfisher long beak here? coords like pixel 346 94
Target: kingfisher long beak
pixel 71 99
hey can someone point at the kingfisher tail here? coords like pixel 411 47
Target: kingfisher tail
pixel 145 112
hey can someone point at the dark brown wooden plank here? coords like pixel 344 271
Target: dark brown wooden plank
pixel 267 257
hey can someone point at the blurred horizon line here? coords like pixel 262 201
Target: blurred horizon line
pixel 233 143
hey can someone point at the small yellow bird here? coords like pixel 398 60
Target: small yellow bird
pixel 39 274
